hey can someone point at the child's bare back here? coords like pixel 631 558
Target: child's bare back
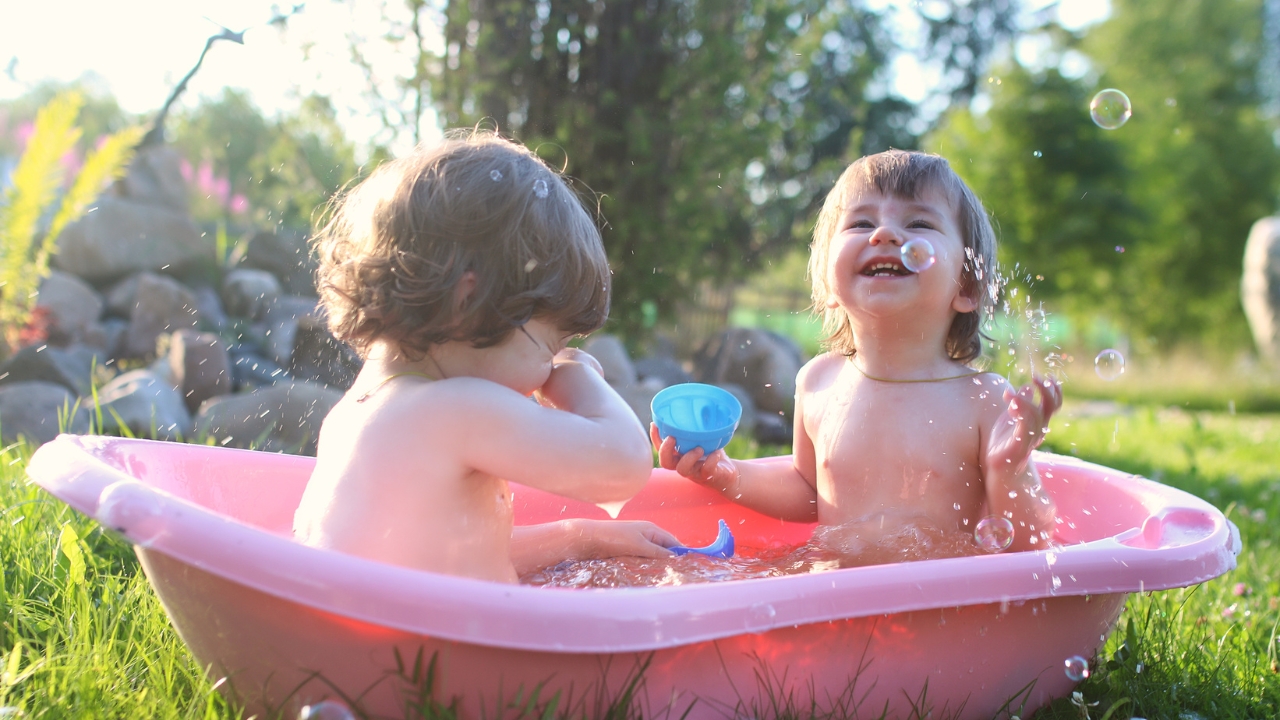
pixel 460 274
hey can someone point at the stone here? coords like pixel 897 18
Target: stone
pixel 146 405
pixel 250 369
pixel 120 296
pixel 248 293
pixel 37 411
pixel 201 366
pixel 762 362
pixel 319 357
pixel 70 367
pixel 72 303
pixel 155 177
pixel 666 370
pixel 119 237
pixel 639 397
pixel 284 317
pixel 106 336
pixel 209 305
pixel 772 429
pixel 1260 287
pixel 285 417
pixel 285 254
pixel 160 304
pixel 613 358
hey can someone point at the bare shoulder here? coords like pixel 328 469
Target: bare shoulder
pixel 819 371
pixel 988 390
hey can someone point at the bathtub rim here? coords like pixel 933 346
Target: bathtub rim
pixel 632 619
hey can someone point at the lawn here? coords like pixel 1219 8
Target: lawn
pixel 84 636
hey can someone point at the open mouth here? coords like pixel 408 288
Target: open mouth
pixel 885 268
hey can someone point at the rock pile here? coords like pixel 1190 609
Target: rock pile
pixel 140 323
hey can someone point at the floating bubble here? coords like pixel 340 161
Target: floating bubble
pixel 917 255
pixel 1038 153
pixel 326 710
pixel 993 534
pixel 540 188
pixel 495 175
pixel 1109 364
pixel 1076 667
pixel 1120 249
pixel 1110 109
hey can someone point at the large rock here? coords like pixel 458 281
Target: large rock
pixel 122 236
pixel 1260 287
pixel 200 366
pixel 281 418
pixel 72 304
pixel 160 305
pixel 155 177
pixel 283 253
pixel 146 404
pixel 38 411
pixel 765 364
pixel 319 357
pixel 70 367
pixel 613 357
pixel 248 293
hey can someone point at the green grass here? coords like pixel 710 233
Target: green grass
pixel 84 636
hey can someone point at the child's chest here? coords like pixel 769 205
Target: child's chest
pixel 879 446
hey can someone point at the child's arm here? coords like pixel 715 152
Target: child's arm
pixel 534 547
pixel 1013 486
pixel 586 443
pixel 784 490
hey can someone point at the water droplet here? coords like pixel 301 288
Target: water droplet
pixel 1120 249
pixel 326 710
pixel 613 508
pixel 540 188
pixel 1109 364
pixel 760 617
pixel 495 175
pixel 917 255
pixel 993 534
pixel 1038 153
pixel 1110 109
pixel 1076 667
pixel 955 505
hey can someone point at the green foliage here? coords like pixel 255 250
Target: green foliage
pixel 1177 187
pixel 284 167
pixel 25 247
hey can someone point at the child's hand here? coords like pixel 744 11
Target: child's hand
pixel 715 470
pixel 574 355
pixel 599 539
pixel 1021 427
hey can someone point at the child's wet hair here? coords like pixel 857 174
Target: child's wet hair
pixel 395 252
pixel 908 175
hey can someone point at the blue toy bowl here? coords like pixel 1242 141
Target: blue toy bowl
pixel 697 415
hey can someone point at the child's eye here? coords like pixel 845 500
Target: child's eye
pixel 861 224
pixel 923 224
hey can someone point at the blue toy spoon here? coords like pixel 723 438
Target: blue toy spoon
pixel 721 548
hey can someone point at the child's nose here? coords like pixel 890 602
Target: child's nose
pixel 884 235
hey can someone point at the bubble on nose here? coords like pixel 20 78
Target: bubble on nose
pixel 917 255
pixel 993 534
pixel 1110 109
pixel 1076 667
pixel 1109 364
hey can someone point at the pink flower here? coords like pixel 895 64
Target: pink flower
pixel 239 204
pixel 1241 590
pixel 184 167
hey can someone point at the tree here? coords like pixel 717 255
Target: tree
pixel 1201 153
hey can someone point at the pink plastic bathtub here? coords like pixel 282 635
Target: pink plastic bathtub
pixel 288 625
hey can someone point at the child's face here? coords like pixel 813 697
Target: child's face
pixel 523 361
pixel 865 271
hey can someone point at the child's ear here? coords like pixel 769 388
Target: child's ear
pixel 463 291
pixel 964 304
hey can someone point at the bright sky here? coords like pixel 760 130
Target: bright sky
pixel 141 48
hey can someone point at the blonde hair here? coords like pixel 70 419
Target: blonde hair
pixel 908 175
pixel 397 246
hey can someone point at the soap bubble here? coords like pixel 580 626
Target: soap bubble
pixel 540 188
pixel 495 175
pixel 993 534
pixel 1109 364
pixel 917 255
pixel 1076 667
pixel 760 617
pixel 1110 109
pixel 326 710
